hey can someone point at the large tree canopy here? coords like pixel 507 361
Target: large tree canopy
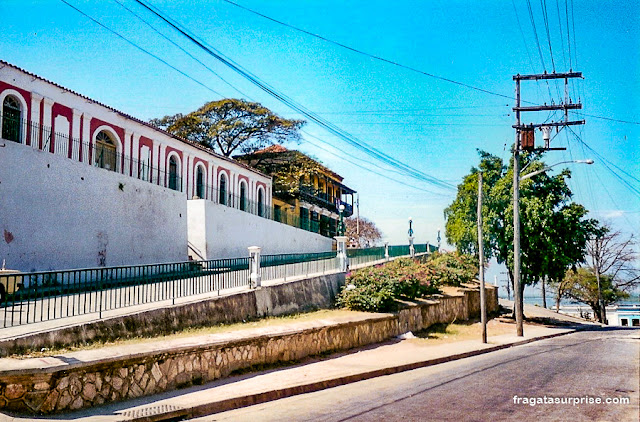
pixel 363 233
pixel 291 170
pixel 582 285
pixel 554 231
pixel 231 124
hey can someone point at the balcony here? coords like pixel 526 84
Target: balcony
pixel 322 199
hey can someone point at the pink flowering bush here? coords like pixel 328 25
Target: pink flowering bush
pixel 375 289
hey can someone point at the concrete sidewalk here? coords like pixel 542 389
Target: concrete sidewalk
pixel 311 375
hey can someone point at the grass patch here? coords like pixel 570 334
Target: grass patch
pixel 463 330
pixel 266 322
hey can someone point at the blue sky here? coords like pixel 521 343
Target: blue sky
pixel 427 123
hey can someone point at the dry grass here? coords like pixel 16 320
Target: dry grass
pixel 194 332
pixel 464 330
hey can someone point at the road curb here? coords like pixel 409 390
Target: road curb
pixel 206 409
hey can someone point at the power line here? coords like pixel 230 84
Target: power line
pixel 424 178
pixel 345 136
pixel 604 161
pixel 352 155
pixel 564 56
pixel 140 48
pixel 373 171
pixel 372 56
pixel 524 41
pixel 178 46
pixel 420 124
pixel 535 33
pixel 606 118
pixel 566 10
pixel 545 19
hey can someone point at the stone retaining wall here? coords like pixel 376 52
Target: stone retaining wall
pixel 271 300
pixel 75 385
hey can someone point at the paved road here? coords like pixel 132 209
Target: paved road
pixel 601 364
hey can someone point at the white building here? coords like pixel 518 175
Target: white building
pixel 85 185
pixel 624 315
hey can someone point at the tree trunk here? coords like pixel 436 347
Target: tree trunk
pixel 544 295
pixel 557 302
pixel 597 312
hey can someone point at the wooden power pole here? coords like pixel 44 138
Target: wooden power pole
pixel 525 141
pixel 483 301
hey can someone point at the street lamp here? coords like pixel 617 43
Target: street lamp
pixel 412 251
pixel 341 228
pixel 537 172
pixel 517 288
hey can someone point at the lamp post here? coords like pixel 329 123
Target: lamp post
pixel 341 228
pixel 342 243
pixel 439 239
pixel 537 172
pixel 412 250
pixel 517 288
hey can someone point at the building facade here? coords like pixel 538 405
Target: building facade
pixel 48 117
pixel 624 315
pixel 306 194
pixel 83 184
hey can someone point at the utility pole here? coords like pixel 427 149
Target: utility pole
pixel 483 302
pixel 358 217
pixel 527 143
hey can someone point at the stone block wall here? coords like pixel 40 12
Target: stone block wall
pixel 77 385
pixel 271 300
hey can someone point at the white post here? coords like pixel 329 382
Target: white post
pixel 342 253
pixel 255 279
pixel 386 251
pixel 412 250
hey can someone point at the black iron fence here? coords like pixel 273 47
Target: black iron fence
pixel 103 156
pixel 32 297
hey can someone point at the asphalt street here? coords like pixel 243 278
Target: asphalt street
pixel 584 367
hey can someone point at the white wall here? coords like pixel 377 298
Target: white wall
pixel 56 213
pixel 223 232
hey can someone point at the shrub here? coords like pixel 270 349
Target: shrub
pixel 375 289
pixel 452 268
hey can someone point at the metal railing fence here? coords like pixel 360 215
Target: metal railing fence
pixel 42 138
pixel 42 296
pixel 31 297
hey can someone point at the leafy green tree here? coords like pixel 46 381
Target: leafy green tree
pixel 291 170
pixel 582 285
pixel 553 229
pixel 231 124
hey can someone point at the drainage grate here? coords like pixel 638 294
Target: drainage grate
pixel 150 412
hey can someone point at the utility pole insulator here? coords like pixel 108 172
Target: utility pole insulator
pixel 546 135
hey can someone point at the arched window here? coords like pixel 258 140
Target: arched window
pixel 223 190
pixel 173 173
pixel 260 203
pixel 105 154
pixel 243 196
pixel 200 183
pixel 11 119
